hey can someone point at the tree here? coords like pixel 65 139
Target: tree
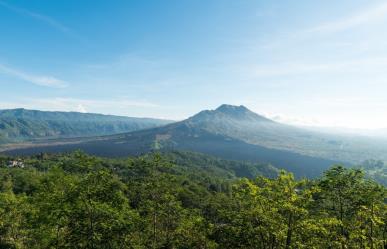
pixel 358 205
pixel 87 212
pixel 13 213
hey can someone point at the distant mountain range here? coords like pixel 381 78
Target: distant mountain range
pixel 20 124
pixel 230 132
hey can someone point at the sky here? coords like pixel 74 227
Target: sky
pixel 315 63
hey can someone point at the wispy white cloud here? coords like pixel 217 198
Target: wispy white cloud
pixel 78 104
pixel 48 81
pixel 294 120
pixel 365 18
pixel 81 108
pixel 86 104
pixel 367 65
pixel 368 15
pixel 115 106
pixel 48 20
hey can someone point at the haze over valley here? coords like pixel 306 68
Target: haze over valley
pixel 230 132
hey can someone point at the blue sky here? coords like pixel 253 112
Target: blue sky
pixel 304 62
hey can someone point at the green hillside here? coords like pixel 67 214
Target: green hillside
pixel 21 124
pixel 220 167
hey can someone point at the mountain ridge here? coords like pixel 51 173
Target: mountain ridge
pixel 230 111
pixel 26 113
pixel 228 132
pixel 21 124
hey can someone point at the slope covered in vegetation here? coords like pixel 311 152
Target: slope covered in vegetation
pixel 22 124
pixel 233 133
pixel 182 201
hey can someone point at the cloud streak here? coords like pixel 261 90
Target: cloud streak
pixel 47 81
pixel 46 19
pixel 369 15
pixel 119 106
pixel 367 65
pixel 372 15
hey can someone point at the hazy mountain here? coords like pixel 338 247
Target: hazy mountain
pixel 233 132
pixel 230 132
pixel 22 124
pixel 242 124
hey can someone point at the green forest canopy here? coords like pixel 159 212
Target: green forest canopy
pixel 164 201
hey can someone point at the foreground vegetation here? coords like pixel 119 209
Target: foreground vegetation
pixel 169 201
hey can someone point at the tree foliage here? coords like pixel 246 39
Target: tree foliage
pixel 155 201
